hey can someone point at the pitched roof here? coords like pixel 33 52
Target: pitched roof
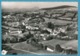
pixel 49 46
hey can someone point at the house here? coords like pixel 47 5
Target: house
pixel 28 27
pixel 13 24
pixel 23 23
pixel 50 48
pixel 7 16
pixel 4 16
pixel 32 28
pixel 55 32
pixel 56 15
pixel 65 37
pixel 62 30
pixel 44 37
pixel 48 29
pixel 15 32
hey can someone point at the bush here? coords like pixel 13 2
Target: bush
pixel 40 46
pixel 28 36
pixel 22 39
pixel 69 29
pixel 50 38
pixel 3 41
pixel 7 40
pixel 14 40
pixel 45 31
pixel 76 37
pixel 58 48
pixel 14 53
pixel 50 25
pixel 70 51
pixel 5 47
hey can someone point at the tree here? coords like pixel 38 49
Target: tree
pixel 28 36
pixel 22 39
pixel 5 13
pixel 7 40
pixel 62 34
pixel 14 53
pixel 45 13
pixel 25 15
pixel 51 15
pixel 69 28
pixel 23 28
pixel 45 31
pixel 58 48
pixel 14 40
pixel 40 46
pixel 3 41
pixel 49 37
pixel 51 25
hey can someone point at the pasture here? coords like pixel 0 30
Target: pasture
pixel 57 22
pixel 28 47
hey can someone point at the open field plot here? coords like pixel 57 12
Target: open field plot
pixel 29 48
pixel 62 42
pixel 57 22
pixel 25 46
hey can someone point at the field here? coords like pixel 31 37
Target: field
pixel 34 50
pixel 30 49
pixel 58 22
pixel 62 43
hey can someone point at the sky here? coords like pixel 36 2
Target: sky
pixel 36 4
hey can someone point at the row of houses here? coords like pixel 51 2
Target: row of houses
pixel 54 33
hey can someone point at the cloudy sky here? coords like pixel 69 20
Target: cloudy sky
pixel 35 4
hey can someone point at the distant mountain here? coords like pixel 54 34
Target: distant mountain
pixel 58 7
pixel 19 9
pixel 35 8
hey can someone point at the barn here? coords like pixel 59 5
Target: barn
pixel 50 48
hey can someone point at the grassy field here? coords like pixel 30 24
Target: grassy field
pixel 70 43
pixel 25 46
pixel 73 43
pixel 28 47
pixel 54 42
pixel 57 22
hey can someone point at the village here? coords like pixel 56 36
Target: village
pixel 47 30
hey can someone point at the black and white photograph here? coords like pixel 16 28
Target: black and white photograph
pixel 39 28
